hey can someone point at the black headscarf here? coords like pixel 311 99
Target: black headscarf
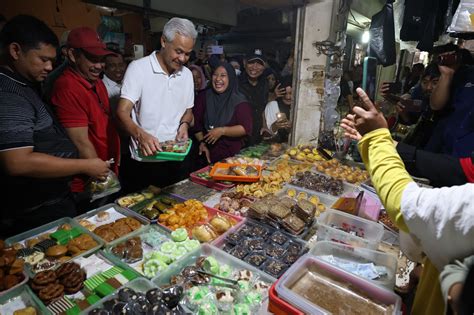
pixel 220 107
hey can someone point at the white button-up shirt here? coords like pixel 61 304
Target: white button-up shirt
pixel 159 99
pixel 113 90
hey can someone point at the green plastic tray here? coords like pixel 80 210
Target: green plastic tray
pixel 168 156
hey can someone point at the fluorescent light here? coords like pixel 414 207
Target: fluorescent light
pixel 365 37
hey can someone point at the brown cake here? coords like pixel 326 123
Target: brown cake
pixel 304 210
pixel 293 224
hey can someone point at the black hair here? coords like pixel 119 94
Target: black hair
pixel 431 70
pixel 286 81
pixel 418 66
pixel 28 31
pixel 466 57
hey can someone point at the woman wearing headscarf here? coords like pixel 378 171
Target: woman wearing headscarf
pixel 223 117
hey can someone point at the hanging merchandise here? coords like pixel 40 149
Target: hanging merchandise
pixel 424 21
pixel 382 36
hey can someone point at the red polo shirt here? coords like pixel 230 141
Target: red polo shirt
pixel 79 103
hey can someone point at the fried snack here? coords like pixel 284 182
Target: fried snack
pixel 106 232
pixel 103 216
pixel 44 277
pixel 221 224
pixel 56 251
pixel 50 292
pixel 337 170
pixel 10 281
pixel 26 311
pixel 87 224
pixel 66 269
pixel 121 228
pixel 80 244
pixel 17 267
pixel 281 172
pixel 186 214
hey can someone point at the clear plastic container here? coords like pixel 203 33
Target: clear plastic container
pixel 208 250
pixel 360 255
pixel 369 207
pixel 297 286
pixel 141 285
pixel 51 227
pixel 329 220
pixel 122 211
pixel 20 297
pixel 108 249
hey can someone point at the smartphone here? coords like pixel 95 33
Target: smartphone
pixel 369 78
pixel 281 116
pixel 448 59
pixel 412 106
pixel 215 50
pixel 394 87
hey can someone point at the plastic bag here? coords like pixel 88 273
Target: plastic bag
pixel 100 189
pixel 382 36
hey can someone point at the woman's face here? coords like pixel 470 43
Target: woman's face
pixel 271 82
pixel 220 80
pixel 197 80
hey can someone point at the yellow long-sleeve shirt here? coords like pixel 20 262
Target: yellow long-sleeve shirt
pixel 390 179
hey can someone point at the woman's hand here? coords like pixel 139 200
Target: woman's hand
pixel 213 135
pixel 203 148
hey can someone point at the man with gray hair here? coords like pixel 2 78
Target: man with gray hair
pixel 156 105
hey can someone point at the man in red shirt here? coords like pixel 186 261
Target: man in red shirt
pixel 82 104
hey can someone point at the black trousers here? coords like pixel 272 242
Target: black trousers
pixel 17 221
pixel 135 176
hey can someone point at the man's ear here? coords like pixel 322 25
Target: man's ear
pixel 163 41
pixel 70 54
pixel 14 49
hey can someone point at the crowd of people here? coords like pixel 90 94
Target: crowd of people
pixel 74 111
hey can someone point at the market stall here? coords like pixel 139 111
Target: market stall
pixel 259 240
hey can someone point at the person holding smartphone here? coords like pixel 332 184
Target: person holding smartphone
pixel 277 113
pixel 454 93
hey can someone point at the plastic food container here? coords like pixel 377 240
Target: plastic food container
pixel 51 227
pixel 168 156
pixel 278 306
pixel 14 288
pixel 140 207
pixel 20 297
pixel 235 178
pixel 369 207
pixel 217 185
pixel 238 243
pixel 208 250
pixel 118 212
pixel 370 233
pixel 308 270
pixel 107 251
pixel 141 285
pixel 360 255
pixel 211 213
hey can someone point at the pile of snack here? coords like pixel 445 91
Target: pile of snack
pixel 235 203
pixel 48 250
pixel 155 207
pixel 293 216
pixel 238 170
pixel 206 294
pixel 153 301
pixel 312 198
pixel 11 267
pixel 280 172
pixel 320 183
pixel 110 231
pixel 245 160
pixel 151 252
pixel 266 248
pixel 133 199
pixel 304 153
pixel 337 170
pixel 175 146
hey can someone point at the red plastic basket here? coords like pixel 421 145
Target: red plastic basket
pixel 278 306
